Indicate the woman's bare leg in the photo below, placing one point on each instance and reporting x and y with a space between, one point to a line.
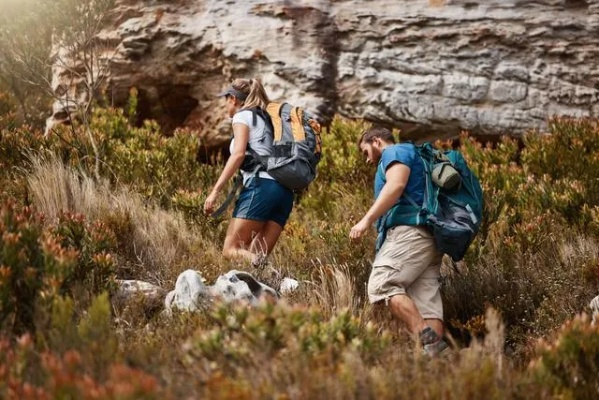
239 240
265 240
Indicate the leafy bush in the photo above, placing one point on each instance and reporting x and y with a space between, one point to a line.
154 165
568 157
34 266
568 365
7 112
240 332
15 146
534 211
93 243
26 373
40 263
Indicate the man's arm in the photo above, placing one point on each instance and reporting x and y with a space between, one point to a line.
397 178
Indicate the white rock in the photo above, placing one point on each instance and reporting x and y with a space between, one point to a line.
190 292
288 285
507 91
229 288
129 288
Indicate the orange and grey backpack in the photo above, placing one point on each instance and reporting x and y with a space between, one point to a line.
296 145
292 157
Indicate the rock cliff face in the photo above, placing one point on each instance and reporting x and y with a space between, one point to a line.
430 67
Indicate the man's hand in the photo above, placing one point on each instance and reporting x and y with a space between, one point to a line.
210 203
360 229
397 177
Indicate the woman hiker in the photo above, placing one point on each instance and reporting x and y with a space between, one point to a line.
264 205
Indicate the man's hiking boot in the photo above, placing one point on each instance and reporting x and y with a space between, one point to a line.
432 344
436 349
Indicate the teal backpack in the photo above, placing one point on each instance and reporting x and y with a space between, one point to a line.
453 202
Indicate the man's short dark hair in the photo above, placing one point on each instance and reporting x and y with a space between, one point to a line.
381 133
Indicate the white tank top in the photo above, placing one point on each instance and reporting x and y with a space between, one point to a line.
258 140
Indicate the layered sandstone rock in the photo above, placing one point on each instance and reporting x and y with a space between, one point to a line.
430 67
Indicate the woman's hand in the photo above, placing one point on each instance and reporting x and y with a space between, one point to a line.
210 203
241 133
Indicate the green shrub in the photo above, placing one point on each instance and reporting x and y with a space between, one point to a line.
155 165
534 209
568 365
39 263
15 146
7 112
34 266
94 242
569 156
29 375
241 333
109 146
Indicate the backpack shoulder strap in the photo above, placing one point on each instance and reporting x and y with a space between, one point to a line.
297 124
274 112
315 126
257 111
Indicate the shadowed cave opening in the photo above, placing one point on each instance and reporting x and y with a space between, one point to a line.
169 105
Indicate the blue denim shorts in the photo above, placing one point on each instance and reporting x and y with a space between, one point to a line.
263 199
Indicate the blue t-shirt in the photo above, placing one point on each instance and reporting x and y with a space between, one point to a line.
404 153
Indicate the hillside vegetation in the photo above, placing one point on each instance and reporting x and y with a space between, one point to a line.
106 199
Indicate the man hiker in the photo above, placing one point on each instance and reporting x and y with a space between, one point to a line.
406 270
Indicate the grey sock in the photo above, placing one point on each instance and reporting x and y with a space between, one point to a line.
428 336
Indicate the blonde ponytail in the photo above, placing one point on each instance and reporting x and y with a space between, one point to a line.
256 95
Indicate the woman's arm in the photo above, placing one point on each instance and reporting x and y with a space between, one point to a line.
241 133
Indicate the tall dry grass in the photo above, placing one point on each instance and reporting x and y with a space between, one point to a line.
334 290
156 238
